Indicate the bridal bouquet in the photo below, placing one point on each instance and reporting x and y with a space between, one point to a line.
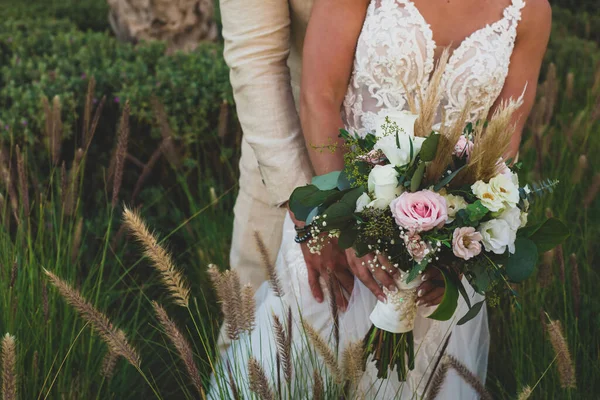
423 196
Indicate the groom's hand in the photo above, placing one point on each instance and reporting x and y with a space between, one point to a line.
330 264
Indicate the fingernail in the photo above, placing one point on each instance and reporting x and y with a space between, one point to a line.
382 298
424 277
392 288
419 303
420 293
319 299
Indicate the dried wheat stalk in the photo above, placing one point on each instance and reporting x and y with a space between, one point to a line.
324 350
469 377
353 361
283 348
109 364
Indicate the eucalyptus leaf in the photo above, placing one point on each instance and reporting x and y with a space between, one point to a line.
344 182
552 233
472 313
305 198
447 307
520 266
326 182
429 147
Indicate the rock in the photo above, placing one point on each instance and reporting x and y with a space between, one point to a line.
182 24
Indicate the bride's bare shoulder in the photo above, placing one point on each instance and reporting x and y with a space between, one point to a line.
536 15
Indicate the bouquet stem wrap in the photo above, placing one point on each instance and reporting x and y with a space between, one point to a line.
390 339
398 314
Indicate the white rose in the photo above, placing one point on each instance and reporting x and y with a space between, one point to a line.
513 217
505 188
388 143
380 204
497 236
383 183
454 204
488 198
362 202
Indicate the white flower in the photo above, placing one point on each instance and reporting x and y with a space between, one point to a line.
454 204
388 143
513 217
488 198
383 183
497 236
506 189
501 192
362 202
380 204
524 216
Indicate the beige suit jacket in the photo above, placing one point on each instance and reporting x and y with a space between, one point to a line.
263 48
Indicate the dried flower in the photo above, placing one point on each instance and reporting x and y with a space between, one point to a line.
259 383
266 258
9 368
566 369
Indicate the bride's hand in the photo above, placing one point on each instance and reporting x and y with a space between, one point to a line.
431 291
361 269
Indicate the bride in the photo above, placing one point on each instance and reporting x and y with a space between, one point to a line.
366 58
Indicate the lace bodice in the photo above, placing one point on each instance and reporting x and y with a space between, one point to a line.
395 57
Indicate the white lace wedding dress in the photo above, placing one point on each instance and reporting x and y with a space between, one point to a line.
395 53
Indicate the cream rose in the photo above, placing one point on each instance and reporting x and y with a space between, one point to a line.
453 205
501 192
362 202
506 188
383 183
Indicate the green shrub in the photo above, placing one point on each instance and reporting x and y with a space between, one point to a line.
53 58
577 5
585 25
85 14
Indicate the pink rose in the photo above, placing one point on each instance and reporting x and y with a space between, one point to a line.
416 247
420 211
466 242
463 147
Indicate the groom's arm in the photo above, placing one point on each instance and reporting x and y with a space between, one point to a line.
257 45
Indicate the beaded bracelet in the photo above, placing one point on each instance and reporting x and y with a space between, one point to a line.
303 234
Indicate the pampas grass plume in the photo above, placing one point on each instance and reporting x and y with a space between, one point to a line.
324 350
266 259
525 393
566 369
171 276
113 337
9 368
259 383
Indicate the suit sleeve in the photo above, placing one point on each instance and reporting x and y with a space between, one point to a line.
257 45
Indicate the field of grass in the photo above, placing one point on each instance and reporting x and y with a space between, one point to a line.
61 210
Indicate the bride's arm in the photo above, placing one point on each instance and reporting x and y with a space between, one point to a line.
532 39
328 56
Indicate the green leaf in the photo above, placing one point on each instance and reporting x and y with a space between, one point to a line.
429 147
472 313
520 266
311 216
447 307
340 214
476 211
552 233
447 179
343 182
416 269
326 182
417 177
305 198
463 291
348 237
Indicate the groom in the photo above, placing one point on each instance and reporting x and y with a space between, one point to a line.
263 48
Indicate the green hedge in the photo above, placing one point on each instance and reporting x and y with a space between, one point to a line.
85 14
585 25
50 58
577 5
